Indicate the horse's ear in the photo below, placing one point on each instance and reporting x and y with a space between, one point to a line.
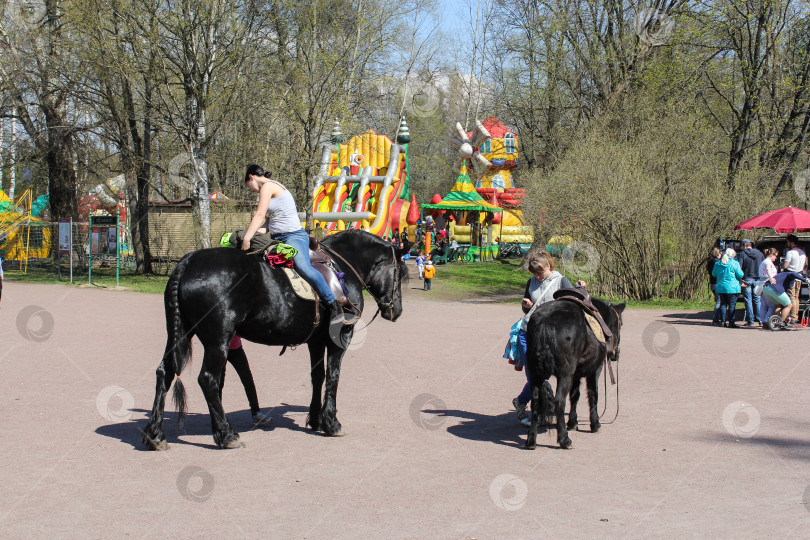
620 307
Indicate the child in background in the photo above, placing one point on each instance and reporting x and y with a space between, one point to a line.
429 273
420 264
239 361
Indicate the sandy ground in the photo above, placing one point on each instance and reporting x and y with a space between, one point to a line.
712 438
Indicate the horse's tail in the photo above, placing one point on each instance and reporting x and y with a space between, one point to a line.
178 345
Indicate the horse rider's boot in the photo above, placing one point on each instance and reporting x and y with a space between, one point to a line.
336 324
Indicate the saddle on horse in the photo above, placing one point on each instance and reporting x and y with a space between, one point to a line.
261 244
582 298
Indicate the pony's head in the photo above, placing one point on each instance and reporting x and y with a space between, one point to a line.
614 322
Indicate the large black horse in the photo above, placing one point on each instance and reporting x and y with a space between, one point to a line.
218 292
560 343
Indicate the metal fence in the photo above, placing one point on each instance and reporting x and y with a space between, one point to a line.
172 234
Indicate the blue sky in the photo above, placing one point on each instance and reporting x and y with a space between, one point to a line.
454 14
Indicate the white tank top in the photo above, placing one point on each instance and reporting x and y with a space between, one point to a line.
282 215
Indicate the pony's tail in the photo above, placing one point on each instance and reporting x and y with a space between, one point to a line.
546 351
178 346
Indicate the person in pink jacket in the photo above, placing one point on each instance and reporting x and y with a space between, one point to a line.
239 361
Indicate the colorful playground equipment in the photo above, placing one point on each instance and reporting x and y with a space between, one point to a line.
23 235
462 201
490 151
483 208
363 183
105 198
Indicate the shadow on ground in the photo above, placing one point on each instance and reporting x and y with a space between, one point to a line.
199 424
497 429
701 318
787 448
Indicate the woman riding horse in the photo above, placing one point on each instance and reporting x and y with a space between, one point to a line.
277 214
217 293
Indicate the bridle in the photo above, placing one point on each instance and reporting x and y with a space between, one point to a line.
393 264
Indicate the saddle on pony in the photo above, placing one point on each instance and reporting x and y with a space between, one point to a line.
582 298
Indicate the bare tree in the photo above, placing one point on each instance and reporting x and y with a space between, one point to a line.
205 45
39 69
123 57
325 53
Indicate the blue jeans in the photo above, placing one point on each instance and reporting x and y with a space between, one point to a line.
766 309
716 318
300 241
526 395
728 303
751 301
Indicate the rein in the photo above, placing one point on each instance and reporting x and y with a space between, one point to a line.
365 285
613 380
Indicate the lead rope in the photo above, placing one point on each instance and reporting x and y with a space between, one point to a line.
613 382
604 410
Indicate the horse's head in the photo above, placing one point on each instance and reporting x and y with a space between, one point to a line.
378 264
613 317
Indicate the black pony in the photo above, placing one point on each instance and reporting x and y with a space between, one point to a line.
218 292
560 343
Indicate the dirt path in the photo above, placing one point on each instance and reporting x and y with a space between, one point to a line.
713 438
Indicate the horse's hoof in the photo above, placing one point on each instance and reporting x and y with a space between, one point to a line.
152 444
261 419
314 426
565 445
338 433
595 429
162 445
528 446
235 443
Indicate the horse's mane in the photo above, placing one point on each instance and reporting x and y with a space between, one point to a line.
357 238
357 235
604 308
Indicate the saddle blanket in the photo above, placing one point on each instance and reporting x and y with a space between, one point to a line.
597 329
300 286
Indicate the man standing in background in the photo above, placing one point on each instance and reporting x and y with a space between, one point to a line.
750 258
795 261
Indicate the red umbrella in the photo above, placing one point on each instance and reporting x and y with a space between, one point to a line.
784 220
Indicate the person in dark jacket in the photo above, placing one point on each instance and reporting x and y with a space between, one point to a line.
750 258
716 254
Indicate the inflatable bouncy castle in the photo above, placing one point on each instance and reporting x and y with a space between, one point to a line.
489 153
363 184
496 186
